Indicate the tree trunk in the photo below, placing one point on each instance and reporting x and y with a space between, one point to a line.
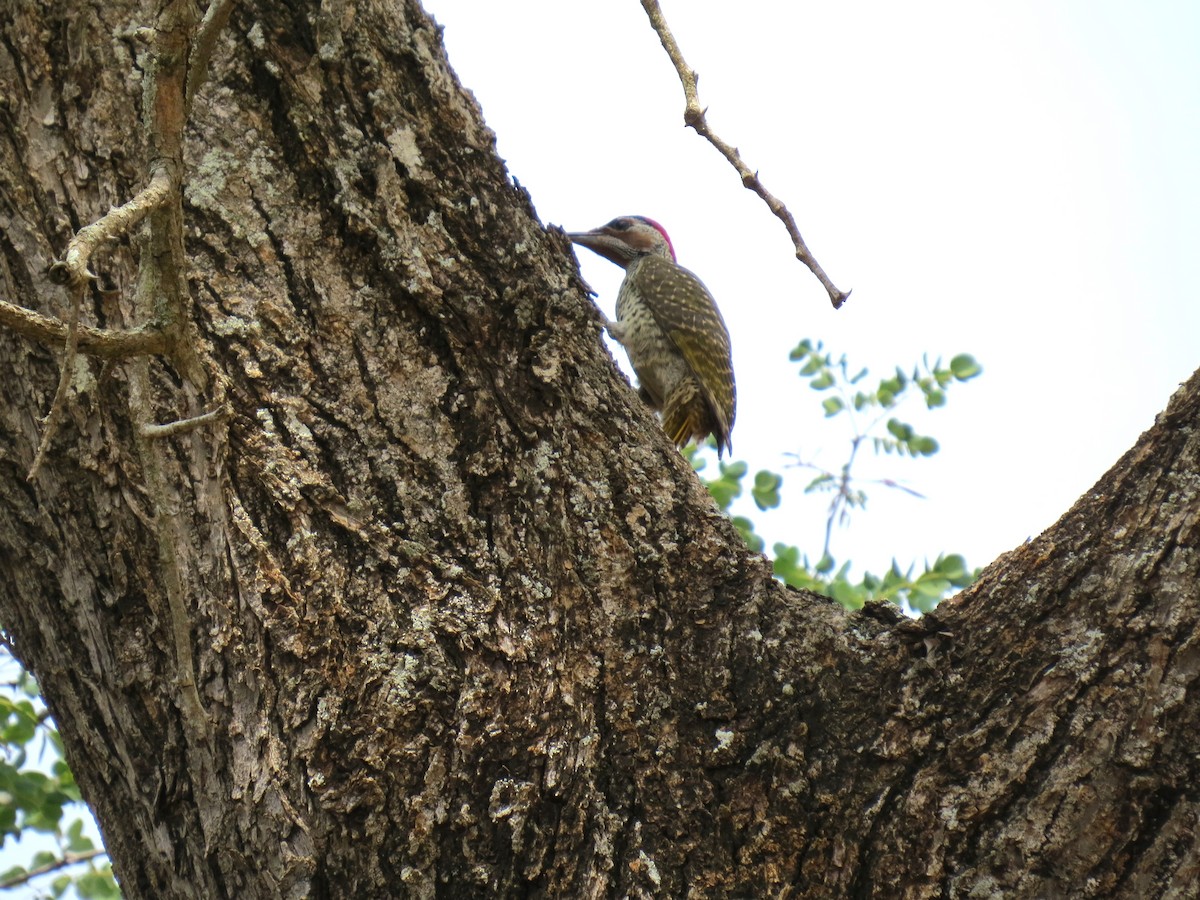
429 605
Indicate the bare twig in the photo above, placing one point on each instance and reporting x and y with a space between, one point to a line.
888 482
168 532
693 116
183 425
92 341
68 859
843 499
59 403
174 77
72 269
213 23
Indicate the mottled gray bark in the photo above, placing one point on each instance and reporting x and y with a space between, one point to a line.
457 619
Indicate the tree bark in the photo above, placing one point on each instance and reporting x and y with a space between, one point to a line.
456 618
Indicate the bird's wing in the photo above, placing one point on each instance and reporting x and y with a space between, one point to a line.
687 313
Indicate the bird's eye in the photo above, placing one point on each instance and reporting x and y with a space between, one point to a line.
621 224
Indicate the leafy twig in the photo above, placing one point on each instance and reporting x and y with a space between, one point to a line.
68 859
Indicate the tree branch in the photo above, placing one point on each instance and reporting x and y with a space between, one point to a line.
180 426
168 533
694 117
162 295
58 404
72 269
182 75
68 859
99 342
215 19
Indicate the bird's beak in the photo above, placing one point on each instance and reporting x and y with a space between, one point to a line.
589 239
599 241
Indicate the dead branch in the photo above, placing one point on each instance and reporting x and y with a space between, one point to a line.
72 269
211 26
99 342
694 117
168 534
180 426
59 403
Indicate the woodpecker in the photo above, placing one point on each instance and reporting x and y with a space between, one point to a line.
670 327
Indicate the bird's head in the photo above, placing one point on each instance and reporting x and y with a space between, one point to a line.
626 238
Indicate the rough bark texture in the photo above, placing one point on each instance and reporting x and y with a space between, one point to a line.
462 622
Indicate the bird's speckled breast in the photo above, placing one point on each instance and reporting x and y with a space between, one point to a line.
655 359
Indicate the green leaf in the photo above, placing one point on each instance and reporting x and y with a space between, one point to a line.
8 818
832 406
822 482
849 595
28 685
801 350
822 382
734 469
923 446
746 529
728 485
953 568
927 592
724 492
965 367
77 841
97 885
766 489
786 565
20 725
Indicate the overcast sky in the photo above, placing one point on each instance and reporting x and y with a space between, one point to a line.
1016 180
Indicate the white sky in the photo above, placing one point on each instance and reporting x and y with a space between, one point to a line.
1020 181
